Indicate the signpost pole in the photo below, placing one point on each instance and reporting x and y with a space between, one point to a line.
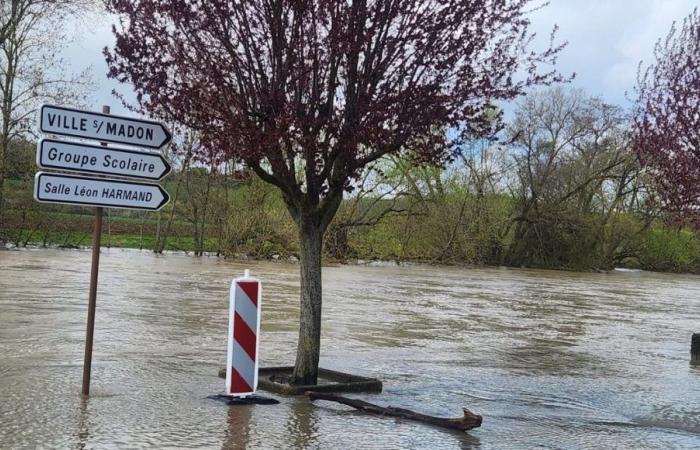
92 300
100 192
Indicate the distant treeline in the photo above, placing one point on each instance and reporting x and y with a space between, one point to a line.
560 189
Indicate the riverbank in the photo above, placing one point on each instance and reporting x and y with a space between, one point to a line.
269 234
456 229
327 262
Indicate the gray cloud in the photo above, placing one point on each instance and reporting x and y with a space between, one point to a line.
607 39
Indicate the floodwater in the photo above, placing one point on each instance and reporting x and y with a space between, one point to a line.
550 359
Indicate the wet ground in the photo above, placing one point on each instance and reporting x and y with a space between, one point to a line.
550 359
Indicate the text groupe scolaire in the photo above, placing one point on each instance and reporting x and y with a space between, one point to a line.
106 161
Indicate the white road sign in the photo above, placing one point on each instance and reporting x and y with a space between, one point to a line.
84 191
102 127
53 154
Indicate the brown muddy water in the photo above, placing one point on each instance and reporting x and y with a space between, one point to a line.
550 359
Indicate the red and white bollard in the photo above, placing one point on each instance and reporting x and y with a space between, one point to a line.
243 333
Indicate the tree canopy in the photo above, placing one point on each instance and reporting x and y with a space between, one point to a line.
307 93
667 117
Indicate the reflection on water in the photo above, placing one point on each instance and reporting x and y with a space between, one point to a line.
550 359
238 431
301 425
83 434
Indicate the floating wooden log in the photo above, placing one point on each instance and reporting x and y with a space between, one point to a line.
467 422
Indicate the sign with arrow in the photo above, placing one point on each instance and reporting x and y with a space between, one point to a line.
103 127
99 192
76 190
54 154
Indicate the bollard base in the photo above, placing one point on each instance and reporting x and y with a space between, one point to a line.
328 381
695 349
252 399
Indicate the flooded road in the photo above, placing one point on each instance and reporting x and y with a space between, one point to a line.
550 359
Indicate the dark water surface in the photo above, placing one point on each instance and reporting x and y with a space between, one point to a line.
550 359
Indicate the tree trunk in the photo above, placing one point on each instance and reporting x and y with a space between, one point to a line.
2 187
162 235
4 143
309 346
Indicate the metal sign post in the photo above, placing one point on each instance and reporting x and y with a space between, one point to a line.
92 298
92 293
50 187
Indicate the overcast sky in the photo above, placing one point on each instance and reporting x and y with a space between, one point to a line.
607 39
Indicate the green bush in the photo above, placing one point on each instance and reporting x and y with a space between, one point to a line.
670 251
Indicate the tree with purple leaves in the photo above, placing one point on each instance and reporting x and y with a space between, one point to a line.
308 93
666 128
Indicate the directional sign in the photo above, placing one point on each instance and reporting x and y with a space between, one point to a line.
53 154
75 190
102 127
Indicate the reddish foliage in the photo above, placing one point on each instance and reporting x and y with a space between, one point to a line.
324 87
667 118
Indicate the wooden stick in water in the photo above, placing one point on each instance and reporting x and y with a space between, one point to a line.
467 422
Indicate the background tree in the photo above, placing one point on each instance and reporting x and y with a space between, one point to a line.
576 174
179 155
32 33
307 93
377 195
667 118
